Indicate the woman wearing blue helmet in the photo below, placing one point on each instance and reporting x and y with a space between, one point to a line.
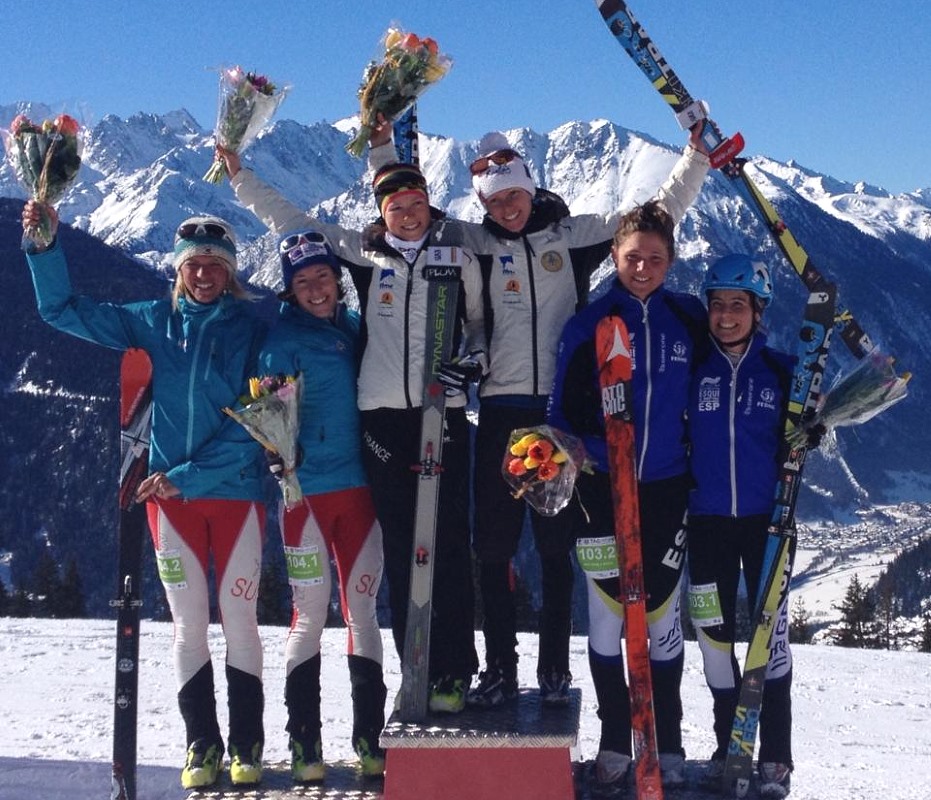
736 415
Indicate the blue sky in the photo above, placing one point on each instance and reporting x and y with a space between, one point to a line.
838 87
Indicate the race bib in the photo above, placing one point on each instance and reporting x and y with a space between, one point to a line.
305 566
704 605
171 569
597 556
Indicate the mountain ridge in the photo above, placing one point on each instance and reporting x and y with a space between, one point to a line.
142 176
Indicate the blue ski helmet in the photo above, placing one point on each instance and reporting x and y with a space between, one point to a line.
737 271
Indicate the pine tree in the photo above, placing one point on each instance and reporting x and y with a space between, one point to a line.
70 602
47 585
21 604
925 645
858 617
889 608
4 600
799 627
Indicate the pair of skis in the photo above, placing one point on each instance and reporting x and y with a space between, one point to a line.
631 35
615 370
804 393
135 424
442 274
822 317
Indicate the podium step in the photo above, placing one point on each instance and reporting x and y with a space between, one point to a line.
521 750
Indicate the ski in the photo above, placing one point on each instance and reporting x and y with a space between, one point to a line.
135 422
631 35
805 390
615 369
404 131
442 275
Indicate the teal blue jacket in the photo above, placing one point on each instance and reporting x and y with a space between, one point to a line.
202 358
327 353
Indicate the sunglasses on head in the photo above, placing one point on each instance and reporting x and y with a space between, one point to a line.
499 157
295 239
209 230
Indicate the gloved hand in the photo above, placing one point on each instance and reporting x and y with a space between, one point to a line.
276 464
815 435
457 374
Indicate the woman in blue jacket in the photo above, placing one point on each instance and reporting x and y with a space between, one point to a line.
736 418
318 336
664 327
204 488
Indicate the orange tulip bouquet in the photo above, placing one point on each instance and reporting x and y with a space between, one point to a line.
409 65
541 465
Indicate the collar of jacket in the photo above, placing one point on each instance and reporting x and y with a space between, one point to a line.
227 304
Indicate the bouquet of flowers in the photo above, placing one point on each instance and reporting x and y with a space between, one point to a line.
271 414
541 464
45 159
410 64
247 102
870 388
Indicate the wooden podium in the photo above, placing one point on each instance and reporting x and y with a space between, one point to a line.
522 751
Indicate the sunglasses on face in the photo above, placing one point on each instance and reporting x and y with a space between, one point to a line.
209 230
296 239
499 157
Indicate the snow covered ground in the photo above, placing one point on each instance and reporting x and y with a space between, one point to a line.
862 718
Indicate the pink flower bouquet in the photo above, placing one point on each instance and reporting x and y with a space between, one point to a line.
45 159
247 102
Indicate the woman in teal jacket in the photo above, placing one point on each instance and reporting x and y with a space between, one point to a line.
318 336
204 489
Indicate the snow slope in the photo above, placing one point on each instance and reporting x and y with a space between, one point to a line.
862 718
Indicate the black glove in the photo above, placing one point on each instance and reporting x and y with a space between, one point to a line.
276 462
456 375
815 434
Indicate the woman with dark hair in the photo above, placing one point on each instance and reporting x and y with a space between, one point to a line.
318 336
665 328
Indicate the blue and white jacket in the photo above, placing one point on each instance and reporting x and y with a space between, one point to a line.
327 354
663 330
202 359
735 421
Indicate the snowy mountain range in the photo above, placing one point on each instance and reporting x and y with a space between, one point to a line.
141 176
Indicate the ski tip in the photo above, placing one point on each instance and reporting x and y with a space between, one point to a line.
727 151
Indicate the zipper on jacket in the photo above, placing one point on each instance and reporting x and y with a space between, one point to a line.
198 343
534 338
407 331
732 426
648 358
